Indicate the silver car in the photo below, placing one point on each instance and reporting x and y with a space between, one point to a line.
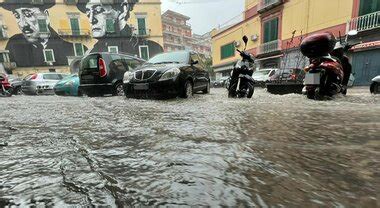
41 83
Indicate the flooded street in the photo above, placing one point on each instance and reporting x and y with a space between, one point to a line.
280 151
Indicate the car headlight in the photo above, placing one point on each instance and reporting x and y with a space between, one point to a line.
170 74
128 76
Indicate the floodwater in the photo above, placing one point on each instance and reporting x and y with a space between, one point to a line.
270 151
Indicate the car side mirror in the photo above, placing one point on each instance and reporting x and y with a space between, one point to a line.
194 62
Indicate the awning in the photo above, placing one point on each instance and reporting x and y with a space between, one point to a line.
225 67
367 45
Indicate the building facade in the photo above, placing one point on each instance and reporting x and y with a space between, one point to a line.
176 30
178 35
276 28
49 35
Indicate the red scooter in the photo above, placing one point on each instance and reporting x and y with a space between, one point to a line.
6 87
324 75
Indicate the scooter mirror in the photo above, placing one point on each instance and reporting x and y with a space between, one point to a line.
245 39
352 32
2 79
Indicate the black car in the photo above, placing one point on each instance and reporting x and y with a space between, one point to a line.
168 75
375 85
102 73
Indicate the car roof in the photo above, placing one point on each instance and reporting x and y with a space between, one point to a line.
123 54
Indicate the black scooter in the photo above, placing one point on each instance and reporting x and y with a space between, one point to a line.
241 81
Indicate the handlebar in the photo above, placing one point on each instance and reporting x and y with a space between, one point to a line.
245 56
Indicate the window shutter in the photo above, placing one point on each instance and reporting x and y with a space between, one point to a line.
110 24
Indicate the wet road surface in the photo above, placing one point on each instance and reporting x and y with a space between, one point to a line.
280 151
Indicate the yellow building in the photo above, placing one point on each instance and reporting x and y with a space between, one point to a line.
48 35
276 27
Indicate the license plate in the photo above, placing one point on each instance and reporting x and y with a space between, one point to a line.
312 79
141 86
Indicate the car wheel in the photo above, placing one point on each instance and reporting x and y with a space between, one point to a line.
207 90
119 91
188 90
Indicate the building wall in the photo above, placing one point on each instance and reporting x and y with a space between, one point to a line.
125 39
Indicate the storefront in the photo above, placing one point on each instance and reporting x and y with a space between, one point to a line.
366 62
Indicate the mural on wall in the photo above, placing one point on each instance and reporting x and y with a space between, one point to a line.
27 48
121 34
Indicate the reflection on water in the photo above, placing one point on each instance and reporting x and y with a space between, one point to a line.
209 150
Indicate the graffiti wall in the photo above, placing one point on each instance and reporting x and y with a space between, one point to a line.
54 33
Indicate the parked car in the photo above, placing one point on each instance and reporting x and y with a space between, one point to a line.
102 73
375 86
220 82
68 86
168 75
288 75
5 86
41 83
262 76
16 83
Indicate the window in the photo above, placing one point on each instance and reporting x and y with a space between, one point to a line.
132 63
227 50
368 6
144 52
271 30
42 25
110 25
52 76
117 63
78 49
75 29
49 55
113 49
2 59
141 24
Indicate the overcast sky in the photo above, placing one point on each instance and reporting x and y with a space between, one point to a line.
206 14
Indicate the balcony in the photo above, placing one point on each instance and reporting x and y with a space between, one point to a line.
141 32
74 33
270 47
365 22
266 5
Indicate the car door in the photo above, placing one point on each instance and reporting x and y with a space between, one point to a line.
196 65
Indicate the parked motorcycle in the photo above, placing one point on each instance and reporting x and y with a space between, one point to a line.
241 83
6 87
324 75
339 52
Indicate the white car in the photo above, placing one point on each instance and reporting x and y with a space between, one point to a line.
41 83
262 76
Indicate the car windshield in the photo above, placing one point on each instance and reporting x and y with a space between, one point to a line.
262 72
172 57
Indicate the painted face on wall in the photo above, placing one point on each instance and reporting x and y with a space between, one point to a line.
98 14
27 20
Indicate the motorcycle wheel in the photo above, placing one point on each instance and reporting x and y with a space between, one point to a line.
251 89
232 91
318 95
310 94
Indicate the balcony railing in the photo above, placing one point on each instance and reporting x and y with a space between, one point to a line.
365 22
266 5
270 47
74 33
142 32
